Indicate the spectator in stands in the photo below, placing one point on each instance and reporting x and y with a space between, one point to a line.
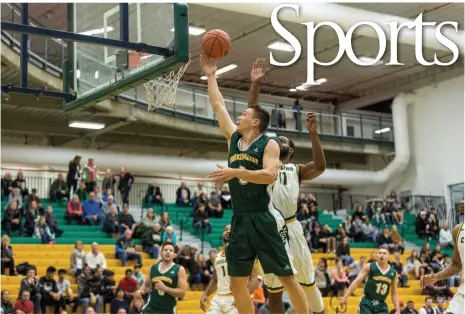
7 256
340 277
126 249
138 276
52 222
339 234
401 275
358 213
94 258
153 196
74 174
303 215
119 302
108 182
410 309
211 260
436 258
313 213
50 293
23 305
187 255
373 257
343 252
164 221
225 197
111 223
384 240
455 279
146 224
125 183
433 225
440 308
323 279
357 230
380 215
82 192
445 237
396 213
35 208
215 209
355 268
98 195
201 221
7 185
136 306
347 225
422 226
6 306
369 231
83 282
169 236
302 200
152 241
312 200
90 175
426 248
428 307
31 285
74 210
183 195
11 218
42 231
64 288
107 204
94 290
438 289
330 239
281 117
318 240
33 197
15 196
91 210
77 259
108 288
129 285
202 199
199 189
20 183
258 295
370 210
421 266
126 221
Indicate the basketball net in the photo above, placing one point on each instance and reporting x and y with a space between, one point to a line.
161 92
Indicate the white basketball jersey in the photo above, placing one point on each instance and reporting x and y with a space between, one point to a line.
221 268
286 190
460 247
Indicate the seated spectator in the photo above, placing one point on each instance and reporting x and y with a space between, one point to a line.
396 213
15 196
187 255
11 218
126 221
83 283
129 285
202 199
410 309
422 228
433 225
82 192
169 236
119 302
303 215
23 305
91 210
330 239
323 278
302 200
50 293
370 210
357 230
358 213
106 204
200 221
369 232
109 287
138 276
7 256
164 221
94 258
401 275
397 239
77 259
440 308
58 189
347 225
64 287
136 306
226 197
6 306
259 294
428 307
421 266
152 241
380 215
42 231
126 249
343 252
32 197
94 291
355 268
384 240
454 280
52 222
146 224
436 258
111 223
373 257
7 185
426 248
314 214
74 210
438 289
210 264
20 183
153 195
98 195
36 208
215 209
339 234
340 277
318 240
183 195
205 275
31 285
445 237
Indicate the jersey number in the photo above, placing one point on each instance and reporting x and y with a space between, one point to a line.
224 271
381 288
283 178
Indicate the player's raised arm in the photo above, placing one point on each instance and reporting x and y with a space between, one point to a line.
144 288
356 283
227 126
395 295
256 76
316 167
211 288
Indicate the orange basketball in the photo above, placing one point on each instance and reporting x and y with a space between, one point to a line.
216 44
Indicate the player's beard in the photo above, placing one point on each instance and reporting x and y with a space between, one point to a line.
284 152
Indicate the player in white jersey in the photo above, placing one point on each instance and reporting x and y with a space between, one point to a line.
284 198
457 305
223 301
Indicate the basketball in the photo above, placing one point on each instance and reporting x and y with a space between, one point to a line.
216 44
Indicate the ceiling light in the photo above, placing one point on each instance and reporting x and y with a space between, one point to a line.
271 134
78 73
292 90
383 130
97 31
369 59
96 75
194 30
225 69
86 125
279 45
304 86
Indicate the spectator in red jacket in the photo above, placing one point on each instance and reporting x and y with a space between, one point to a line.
129 285
74 210
23 305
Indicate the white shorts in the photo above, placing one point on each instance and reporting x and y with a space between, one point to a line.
222 304
302 260
457 305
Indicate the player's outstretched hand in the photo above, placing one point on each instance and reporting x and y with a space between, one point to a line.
137 295
203 302
223 174
258 70
343 302
427 280
311 122
207 66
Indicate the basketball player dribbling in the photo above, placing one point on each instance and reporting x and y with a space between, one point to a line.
258 229
223 301
457 305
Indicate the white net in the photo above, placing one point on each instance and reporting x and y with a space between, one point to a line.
161 92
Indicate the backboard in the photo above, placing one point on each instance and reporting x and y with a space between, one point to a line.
100 71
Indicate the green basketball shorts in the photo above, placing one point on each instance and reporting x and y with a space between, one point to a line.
262 235
370 306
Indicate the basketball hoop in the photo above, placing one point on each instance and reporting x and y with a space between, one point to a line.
161 92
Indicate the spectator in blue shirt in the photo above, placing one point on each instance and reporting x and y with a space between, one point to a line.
92 210
169 236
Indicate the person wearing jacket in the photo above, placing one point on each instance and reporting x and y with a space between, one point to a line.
50 293
74 210
74 175
152 241
90 175
77 259
126 249
59 189
111 223
125 183
11 218
31 284
7 256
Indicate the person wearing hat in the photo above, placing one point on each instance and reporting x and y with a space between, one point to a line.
50 293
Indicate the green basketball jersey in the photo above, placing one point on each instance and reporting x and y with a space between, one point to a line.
248 196
160 301
379 284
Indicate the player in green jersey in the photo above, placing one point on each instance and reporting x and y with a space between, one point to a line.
381 278
167 281
257 229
